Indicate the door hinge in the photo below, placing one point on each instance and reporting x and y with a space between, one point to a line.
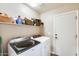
76 17
76 36
76 54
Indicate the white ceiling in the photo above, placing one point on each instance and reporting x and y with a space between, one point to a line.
47 6
52 6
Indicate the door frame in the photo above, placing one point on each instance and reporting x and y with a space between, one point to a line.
77 18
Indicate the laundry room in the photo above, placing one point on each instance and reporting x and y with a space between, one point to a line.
39 29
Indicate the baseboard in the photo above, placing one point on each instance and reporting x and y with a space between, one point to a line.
54 53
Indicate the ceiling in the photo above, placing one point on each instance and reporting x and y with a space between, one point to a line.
47 6
52 6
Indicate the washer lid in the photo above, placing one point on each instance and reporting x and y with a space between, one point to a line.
42 38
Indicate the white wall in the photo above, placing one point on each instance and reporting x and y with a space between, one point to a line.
15 9
47 18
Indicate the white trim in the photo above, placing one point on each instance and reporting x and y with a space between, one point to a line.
65 12
77 30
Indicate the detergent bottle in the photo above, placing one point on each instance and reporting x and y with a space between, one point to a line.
0 45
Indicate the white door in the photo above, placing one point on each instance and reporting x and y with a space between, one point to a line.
65 34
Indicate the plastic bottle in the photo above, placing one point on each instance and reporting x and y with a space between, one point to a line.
19 20
0 45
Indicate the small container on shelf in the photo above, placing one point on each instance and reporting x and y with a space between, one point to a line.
28 21
19 20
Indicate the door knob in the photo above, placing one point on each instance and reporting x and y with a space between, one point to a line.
56 36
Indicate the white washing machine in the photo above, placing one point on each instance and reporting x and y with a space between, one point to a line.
40 48
16 47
